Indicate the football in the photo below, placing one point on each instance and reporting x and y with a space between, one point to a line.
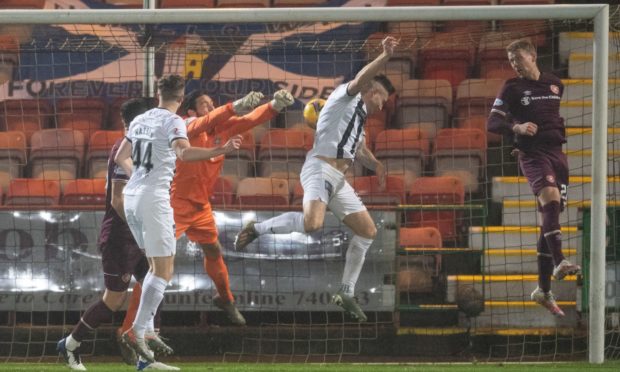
312 110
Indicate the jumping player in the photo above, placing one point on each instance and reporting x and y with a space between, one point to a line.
528 109
339 139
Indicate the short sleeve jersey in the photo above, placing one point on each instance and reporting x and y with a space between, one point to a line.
113 228
340 127
151 135
522 100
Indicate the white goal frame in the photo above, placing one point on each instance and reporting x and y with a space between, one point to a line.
599 13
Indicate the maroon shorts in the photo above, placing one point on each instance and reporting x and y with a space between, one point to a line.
121 259
545 167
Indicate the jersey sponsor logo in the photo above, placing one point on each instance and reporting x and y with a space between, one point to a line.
498 102
555 89
526 100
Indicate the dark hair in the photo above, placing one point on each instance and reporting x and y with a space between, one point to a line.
171 87
521 44
189 102
387 84
132 108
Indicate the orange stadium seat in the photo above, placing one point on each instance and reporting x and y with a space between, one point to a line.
223 193
12 157
295 3
428 101
83 114
22 4
238 164
448 56
85 192
56 154
27 191
367 188
187 4
436 190
476 96
534 29
403 152
283 151
492 55
25 115
99 146
263 191
480 122
243 3
374 125
421 237
298 194
461 153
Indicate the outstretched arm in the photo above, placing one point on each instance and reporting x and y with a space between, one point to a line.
209 122
369 71
185 152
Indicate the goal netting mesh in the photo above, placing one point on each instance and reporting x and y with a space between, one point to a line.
451 270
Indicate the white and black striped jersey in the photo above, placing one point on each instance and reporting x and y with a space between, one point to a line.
340 128
151 135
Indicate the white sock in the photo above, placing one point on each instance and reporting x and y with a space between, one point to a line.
356 253
71 343
285 223
152 293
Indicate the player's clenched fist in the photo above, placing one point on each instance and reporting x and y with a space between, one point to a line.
525 129
282 99
247 103
389 44
232 144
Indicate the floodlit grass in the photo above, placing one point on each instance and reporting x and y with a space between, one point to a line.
282 367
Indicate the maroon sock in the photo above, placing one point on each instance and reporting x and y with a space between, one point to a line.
157 317
95 315
545 264
551 230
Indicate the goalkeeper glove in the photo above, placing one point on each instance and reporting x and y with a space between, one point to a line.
282 99
247 103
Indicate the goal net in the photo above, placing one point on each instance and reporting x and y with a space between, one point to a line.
454 262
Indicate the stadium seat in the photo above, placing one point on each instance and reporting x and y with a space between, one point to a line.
403 152
187 4
243 3
422 30
85 192
367 188
535 30
412 2
83 114
298 194
56 154
424 101
448 56
375 124
461 153
263 191
480 122
239 164
25 115
283 151
436 190
223 193
99 146
402 62
296 3
12 157
22 4
27 191
421 237
493 60
473 28
475 97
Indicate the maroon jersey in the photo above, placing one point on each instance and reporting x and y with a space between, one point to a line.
521 100
113 228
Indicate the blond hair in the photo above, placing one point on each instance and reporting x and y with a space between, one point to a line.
521 44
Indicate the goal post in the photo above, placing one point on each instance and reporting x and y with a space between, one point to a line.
598 13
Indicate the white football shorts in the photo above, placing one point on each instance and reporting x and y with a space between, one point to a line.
151 221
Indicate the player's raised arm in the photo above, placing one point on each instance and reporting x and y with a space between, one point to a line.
185 152
369 71
207 123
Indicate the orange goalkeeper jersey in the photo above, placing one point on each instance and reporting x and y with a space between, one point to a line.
194 181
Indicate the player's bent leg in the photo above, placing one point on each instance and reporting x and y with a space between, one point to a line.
547 300
549 198
365 231
218 272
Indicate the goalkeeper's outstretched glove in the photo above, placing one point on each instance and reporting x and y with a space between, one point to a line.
247 103
281 99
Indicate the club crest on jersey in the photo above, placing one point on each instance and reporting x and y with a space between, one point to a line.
550 178
526 100
555 89
126 277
